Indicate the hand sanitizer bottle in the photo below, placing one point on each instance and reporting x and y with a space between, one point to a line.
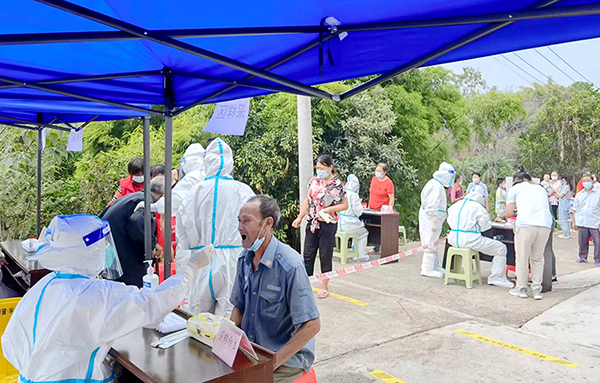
150 280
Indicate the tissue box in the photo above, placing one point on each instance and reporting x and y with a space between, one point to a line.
205 326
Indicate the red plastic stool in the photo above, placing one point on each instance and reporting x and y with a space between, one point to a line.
513 269
161 271
307 377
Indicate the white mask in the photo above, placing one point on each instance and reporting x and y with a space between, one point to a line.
554 178
138 179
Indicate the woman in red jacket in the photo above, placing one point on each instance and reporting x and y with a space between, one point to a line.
134 183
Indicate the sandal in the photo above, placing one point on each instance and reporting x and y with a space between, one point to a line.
322 294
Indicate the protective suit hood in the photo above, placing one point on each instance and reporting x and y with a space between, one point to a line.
80 244
445 174
352 183
476 196
193 158
218 159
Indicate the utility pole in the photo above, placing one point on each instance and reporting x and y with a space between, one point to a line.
305 153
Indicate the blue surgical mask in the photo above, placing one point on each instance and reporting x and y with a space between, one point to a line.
322 174
476 181
587 185
258 241
379 175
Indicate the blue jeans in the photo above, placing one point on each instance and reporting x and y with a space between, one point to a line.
563 216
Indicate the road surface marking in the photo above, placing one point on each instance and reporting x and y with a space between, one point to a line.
518 349
347 299
385 377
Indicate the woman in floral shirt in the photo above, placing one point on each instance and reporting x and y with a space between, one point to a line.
326 197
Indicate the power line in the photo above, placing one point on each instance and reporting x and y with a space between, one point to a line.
512 70
554 65
534 68
529 74
563 60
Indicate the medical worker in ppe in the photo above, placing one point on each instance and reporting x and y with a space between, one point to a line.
349 219
431 217
468 219
208 216
192 165
63 328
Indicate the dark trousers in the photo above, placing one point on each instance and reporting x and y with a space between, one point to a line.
555 211
322 240
583 237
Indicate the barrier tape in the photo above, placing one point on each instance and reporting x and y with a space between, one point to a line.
371 264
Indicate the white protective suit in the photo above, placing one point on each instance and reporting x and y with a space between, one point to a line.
349 219
467 219
192 164
63 328
209 215
432 215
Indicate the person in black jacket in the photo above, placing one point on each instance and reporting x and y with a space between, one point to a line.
126 221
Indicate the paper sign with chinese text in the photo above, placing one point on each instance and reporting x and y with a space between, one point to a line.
227 342
75 143
229 118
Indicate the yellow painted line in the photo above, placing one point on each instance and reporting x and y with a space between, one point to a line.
347 299
518 349
385 377
583 263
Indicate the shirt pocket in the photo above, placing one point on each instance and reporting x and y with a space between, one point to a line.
270 304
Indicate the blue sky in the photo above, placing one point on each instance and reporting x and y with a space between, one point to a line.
584 56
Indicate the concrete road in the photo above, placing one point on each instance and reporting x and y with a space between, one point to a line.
390 324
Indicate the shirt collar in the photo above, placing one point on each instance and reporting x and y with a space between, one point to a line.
269 255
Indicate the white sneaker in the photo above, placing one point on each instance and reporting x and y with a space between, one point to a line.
537 295
521 293
564 236
505 283
432 274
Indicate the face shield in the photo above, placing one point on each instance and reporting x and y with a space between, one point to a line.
80 244
445 174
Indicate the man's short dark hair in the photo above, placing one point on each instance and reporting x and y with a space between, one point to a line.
136 166
267 207
477 174
499 181
157 170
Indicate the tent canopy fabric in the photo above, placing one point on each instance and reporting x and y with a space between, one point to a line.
187 52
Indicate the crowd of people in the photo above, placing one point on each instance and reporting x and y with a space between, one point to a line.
540 206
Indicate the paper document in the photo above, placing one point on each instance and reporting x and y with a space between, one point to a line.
75 143
229 118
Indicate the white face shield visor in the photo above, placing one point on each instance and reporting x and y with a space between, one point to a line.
80 244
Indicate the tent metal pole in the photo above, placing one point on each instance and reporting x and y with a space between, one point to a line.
80 96
183 46
38 220
111 76
167 217
71 37
168 195
243 83
277 63
473 36
147 201
35 123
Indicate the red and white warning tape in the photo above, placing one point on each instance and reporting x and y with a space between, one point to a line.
375 263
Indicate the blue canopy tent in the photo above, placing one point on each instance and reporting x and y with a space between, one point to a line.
184 53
